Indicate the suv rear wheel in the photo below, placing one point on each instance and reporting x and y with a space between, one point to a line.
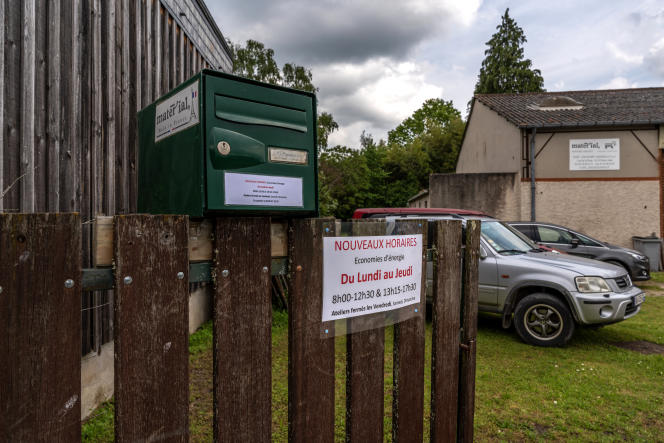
543 320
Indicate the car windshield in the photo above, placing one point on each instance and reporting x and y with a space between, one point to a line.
504 240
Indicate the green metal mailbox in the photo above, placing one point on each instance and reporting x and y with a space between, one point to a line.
221 144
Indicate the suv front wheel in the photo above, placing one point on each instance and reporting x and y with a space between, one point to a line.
543 320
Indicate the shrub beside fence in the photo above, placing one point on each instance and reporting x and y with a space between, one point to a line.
41 282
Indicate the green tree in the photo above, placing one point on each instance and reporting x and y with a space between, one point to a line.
257 62
434 112
345 175
442 145
326 126
298 77
504 68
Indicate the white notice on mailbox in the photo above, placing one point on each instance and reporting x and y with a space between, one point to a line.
262 190
177 112
364 275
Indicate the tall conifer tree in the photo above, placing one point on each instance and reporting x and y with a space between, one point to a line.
504 68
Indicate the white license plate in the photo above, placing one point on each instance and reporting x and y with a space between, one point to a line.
638 299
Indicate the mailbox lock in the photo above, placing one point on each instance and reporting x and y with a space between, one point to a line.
224 148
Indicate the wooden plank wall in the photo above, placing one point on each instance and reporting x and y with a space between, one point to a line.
73 74
40 367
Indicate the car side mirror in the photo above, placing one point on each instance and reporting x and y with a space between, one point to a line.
575 242
483 254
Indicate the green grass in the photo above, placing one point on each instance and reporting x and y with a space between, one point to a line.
590 390
657 277
99 426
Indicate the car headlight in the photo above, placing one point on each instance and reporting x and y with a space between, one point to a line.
638 256
592 284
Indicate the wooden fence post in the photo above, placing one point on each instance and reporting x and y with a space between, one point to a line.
40 314
242 330
310 358
408 395
469 325
445 335
151 328
365 368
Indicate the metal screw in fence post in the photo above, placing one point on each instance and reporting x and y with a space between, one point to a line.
0 289
224 272
299 268
69 283
128 280
180 275
264 269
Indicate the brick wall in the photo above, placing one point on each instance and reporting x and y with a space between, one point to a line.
611 211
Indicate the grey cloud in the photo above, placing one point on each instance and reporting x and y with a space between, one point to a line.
353 111
332 31
634 18
334 83
654 61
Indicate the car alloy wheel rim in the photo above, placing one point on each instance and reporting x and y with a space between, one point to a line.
543 322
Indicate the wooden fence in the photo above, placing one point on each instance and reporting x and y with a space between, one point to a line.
40 285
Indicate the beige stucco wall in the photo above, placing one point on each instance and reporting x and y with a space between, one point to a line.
491 144
611 211
635 159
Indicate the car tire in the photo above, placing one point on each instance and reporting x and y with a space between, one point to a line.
543 320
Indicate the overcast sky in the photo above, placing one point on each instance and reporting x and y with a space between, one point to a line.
375 62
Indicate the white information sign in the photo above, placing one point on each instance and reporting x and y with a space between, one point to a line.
594 154
262 190
364 275
177 112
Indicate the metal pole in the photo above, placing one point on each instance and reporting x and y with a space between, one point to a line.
532 175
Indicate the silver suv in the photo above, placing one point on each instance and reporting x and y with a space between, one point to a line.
545 294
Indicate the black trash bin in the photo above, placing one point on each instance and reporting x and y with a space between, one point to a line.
651 247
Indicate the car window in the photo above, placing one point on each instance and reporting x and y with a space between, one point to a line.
527 230
587 241
502 239
553 235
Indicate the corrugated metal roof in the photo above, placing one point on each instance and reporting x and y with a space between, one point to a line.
614 107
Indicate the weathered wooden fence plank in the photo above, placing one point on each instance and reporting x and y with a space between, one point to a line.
469 326
54 102
3 31
40 363
242 330
110 135
40 159
445 336
408 391
27 166
310 358
364 368
151 328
